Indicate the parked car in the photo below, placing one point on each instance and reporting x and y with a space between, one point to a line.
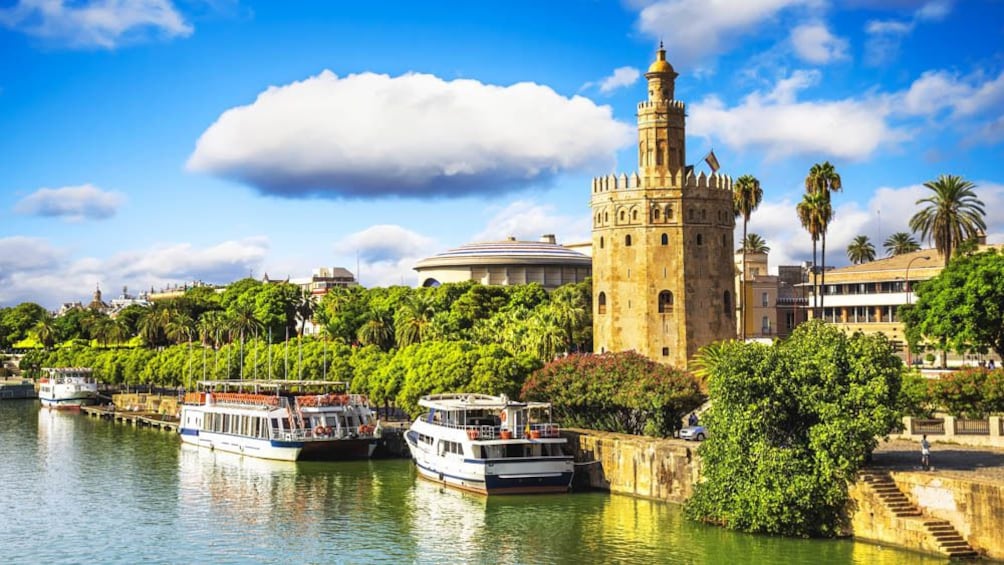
691 433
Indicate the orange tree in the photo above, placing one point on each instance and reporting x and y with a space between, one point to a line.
616 392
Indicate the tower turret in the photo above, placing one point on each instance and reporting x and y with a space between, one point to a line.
661 127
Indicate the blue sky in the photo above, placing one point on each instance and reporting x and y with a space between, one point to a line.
154 142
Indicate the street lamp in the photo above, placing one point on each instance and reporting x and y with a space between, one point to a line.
909 354
907 283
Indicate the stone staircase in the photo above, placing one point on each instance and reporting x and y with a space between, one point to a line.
946 537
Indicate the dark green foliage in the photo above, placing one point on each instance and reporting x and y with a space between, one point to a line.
789 425
16 322
969 393
618 392
963 307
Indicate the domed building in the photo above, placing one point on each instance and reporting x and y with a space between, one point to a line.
507 262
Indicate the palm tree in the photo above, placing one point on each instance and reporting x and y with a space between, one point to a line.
304 309
814 212
45 331
153 325
753 243
570 307
378 329
181 327
861 250
953 214
900 243
414 318
746 197
823 179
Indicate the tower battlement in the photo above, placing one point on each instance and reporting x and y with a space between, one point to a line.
690 181
668 104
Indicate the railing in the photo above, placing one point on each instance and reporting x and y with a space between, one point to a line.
972 427
536 431
243 399
289 435
934 426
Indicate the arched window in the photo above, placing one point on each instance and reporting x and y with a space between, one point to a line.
669 212
606 216
704 214
665 301
700 239
728 304
655 214
601 242
627 240
623 215
665 239
634 215
601 303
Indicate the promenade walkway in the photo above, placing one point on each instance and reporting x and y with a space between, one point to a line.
982 463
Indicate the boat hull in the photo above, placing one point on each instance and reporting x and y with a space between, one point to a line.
338 449
69 403
253 447
488 484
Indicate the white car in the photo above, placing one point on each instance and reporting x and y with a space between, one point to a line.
691 433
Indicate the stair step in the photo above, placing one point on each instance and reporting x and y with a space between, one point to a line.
906 514
954 544
963 554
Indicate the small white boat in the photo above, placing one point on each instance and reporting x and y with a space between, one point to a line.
67 387
281 420
490 445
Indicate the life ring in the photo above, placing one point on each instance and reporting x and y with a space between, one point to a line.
319 430
328 430
502 416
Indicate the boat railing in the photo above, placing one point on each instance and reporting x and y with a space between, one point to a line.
312 400
243 399
533 431
289 435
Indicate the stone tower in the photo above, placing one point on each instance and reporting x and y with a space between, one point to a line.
663 271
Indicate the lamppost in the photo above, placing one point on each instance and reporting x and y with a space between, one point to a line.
906 283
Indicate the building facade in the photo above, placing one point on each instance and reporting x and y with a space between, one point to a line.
774 303
663 271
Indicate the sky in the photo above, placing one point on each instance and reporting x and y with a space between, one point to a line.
148 143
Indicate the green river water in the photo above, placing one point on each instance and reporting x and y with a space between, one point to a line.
75 489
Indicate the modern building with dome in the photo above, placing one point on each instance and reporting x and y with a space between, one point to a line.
507 262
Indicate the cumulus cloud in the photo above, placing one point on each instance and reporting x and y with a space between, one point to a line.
621 77
385 242
95 23
528 220
71 202
32 269
814 43
696 30
886 36
888 211
971 103
781 125
372 135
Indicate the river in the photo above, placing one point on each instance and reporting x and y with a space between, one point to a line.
75 489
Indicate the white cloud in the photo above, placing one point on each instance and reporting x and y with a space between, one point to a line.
814 43
622 77
696 30
385 243
973 104
527 220
73 203
32 270
885 36
779 124
371 135
95 23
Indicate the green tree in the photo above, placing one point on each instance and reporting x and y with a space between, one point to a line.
789 426
861 250
823 179
953 214
963 307
304 308
753 243
746 197
45 331
900 243
413 320
378 329
16 322
814 213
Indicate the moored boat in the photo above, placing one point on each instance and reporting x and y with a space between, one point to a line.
282 420
67 387
489 444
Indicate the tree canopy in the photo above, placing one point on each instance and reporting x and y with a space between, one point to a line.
789 425
963 307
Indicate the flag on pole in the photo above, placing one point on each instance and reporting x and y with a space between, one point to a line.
712 161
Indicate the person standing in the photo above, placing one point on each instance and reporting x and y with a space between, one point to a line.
925 453
692 420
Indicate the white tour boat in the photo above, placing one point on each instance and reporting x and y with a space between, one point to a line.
267 419
67 387
489 444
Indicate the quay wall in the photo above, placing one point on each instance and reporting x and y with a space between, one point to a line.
668 469
975 508
141 402
661 469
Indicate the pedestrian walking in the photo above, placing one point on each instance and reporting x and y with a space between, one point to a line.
925 453
692 420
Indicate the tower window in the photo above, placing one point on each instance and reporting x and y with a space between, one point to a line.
655 214
700 239
627 240
728 304
601 303
669 212
665 352
606 216
601 242
665 239
665 301
623 215
634 215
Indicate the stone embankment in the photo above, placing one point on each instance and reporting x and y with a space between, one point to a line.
956 509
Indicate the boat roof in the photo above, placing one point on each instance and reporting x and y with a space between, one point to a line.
274 384
474 401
